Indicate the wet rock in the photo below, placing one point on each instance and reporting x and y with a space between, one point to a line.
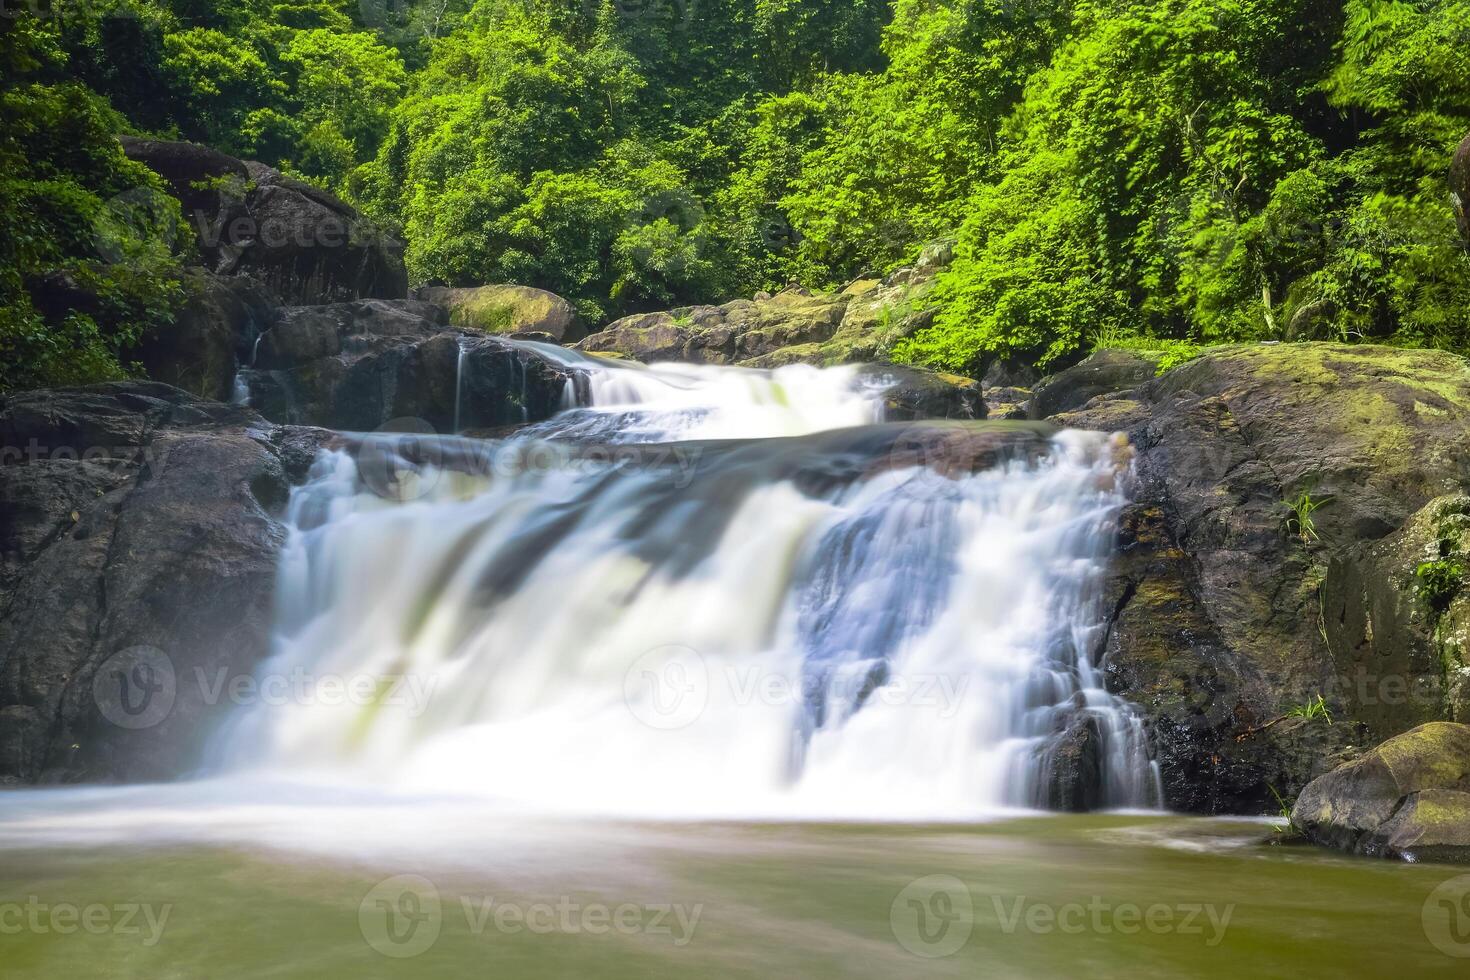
334 376
916 394
1105 373
200 351
137 562
1073 769
1408 798
299 334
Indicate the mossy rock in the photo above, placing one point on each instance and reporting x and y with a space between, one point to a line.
1408 798
507 309
1396 613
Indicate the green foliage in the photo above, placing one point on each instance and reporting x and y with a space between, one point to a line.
1439 581
1311 710
88 259
1158 174
1299 521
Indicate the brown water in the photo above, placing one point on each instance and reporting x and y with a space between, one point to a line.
1043 897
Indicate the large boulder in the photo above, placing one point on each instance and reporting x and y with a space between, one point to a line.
1221 624
249 219
137 563
729 334
507 309
912 394
1106 372
202 348
1460 188
357 366
1408 798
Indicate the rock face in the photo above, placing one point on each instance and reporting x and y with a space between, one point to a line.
1408 798
249 219
137 562
210 335
1105 373
1460 188
1397 617
1221 624
508 310
356 366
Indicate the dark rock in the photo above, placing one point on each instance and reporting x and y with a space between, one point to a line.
299 334
917 394
508 310
446 381
1105 373
139 548
299 240
1400 649
194 173
1408 798
1072 765
1010 374
200 350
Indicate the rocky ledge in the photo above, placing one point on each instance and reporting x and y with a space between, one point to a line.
1289 588
137 563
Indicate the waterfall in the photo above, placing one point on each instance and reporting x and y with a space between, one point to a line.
458 380
708 591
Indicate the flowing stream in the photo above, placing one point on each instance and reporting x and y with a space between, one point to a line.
709 592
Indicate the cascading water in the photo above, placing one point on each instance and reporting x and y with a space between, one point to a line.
709 591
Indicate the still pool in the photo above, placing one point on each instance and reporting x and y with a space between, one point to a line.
362 889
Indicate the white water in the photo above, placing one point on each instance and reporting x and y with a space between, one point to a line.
803 623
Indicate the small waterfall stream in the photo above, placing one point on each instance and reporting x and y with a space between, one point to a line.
708 591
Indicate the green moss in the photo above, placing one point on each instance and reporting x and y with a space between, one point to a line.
488 316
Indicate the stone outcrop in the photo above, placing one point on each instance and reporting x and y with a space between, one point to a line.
1221 623
249 219
1106 372
734 333
356 366
1408 798
210 336
1397 617
137 562
508 309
